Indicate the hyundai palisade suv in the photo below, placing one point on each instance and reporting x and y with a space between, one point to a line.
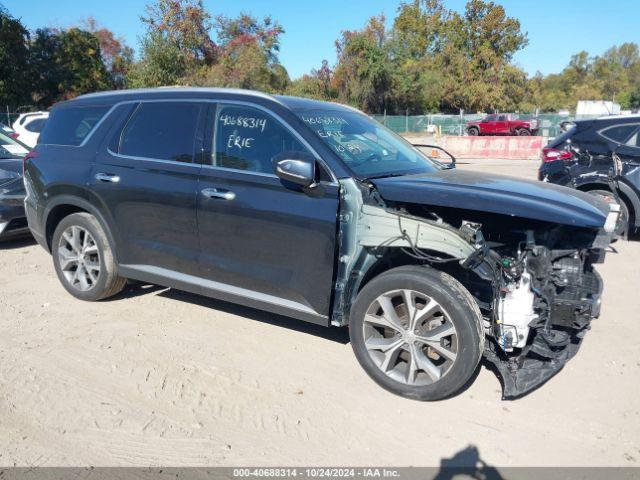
315 211
602 157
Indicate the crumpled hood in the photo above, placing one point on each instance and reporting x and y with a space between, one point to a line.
498 194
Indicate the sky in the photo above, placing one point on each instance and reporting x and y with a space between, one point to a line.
556 28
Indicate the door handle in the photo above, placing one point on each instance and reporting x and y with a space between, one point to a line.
106 177
218 193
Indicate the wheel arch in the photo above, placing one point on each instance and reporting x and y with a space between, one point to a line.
626 194
62 206
374 265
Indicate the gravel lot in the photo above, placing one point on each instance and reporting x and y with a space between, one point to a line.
159 377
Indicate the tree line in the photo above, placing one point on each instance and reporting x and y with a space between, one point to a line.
430 59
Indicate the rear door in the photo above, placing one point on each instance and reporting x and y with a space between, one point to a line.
263 241
146 177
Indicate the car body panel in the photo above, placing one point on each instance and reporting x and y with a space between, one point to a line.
12 215
12 191
497 194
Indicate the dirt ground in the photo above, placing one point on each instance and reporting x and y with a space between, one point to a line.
157 377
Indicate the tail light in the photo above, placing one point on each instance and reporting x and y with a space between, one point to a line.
15 135
555 154
31 154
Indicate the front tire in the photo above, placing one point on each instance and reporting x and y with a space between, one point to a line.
417 332
523 132
473 132
83 258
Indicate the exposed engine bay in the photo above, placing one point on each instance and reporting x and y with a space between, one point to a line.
534 281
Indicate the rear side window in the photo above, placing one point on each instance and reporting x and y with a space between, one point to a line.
618 133
70 125
162 131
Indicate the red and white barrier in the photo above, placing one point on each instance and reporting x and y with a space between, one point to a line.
517 148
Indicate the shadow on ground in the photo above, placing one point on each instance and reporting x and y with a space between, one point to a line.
135 289
467 464
18 242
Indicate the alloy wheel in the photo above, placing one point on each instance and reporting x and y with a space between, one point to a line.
410 337
79 258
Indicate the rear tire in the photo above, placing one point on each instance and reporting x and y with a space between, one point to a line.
523 132
622 226
83 258
426 351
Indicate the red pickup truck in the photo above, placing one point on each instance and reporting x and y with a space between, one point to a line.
503 124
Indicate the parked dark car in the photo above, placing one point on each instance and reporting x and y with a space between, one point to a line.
602 157
13 222
315 211
503 124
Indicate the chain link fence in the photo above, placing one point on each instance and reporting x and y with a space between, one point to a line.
456 124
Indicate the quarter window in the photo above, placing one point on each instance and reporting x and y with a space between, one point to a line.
634 141
162 131
248 138
618 133
70 125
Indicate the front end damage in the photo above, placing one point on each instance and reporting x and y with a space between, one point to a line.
534 281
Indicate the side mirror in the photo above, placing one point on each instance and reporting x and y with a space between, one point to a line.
437 153
296 168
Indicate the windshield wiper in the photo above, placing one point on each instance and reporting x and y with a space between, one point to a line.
387 175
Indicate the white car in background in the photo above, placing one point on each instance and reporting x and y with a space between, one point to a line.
29 125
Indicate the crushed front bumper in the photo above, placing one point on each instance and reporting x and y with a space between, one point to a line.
546 354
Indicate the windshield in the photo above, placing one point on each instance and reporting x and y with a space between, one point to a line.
365 146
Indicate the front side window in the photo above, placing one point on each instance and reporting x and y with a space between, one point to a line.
162 131
247 138
618 133
490 118
367 147
70 125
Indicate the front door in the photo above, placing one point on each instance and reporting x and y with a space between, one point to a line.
261 240
147 180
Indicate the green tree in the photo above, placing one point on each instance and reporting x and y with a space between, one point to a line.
363 74
318 84
15 71
176 43
116 54
247 56
68 63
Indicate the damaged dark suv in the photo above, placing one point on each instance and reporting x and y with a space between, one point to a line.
315 211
